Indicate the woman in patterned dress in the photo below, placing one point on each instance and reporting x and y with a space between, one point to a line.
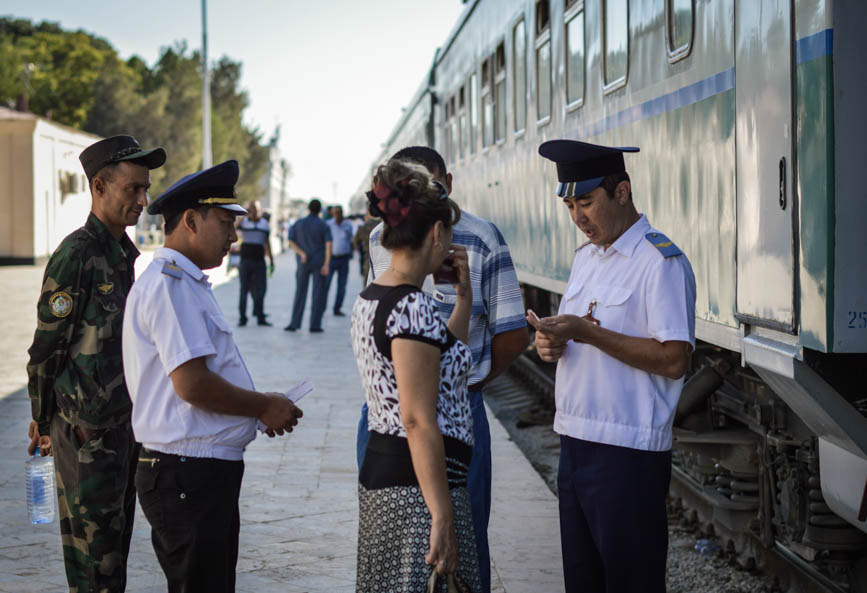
414 510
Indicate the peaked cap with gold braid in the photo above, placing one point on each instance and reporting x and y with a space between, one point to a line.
211 187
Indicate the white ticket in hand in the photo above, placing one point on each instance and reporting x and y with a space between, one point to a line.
300 390
294 395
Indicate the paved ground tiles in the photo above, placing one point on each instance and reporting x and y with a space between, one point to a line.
298 503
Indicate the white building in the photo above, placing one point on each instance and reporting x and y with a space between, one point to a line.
274 184
44 194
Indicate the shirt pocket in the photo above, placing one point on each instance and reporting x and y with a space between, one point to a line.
569 305
447 297
612 307
220 324
108 316
220 333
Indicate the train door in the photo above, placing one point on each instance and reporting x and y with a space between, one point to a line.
763 140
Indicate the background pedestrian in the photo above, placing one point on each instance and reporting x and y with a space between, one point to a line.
341 253
310 239
255 245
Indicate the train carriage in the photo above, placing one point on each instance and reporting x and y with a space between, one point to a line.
749 115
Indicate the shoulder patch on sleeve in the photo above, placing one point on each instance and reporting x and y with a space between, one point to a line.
60 304
170 269
663 244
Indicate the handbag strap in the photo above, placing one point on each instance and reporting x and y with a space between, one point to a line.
454 583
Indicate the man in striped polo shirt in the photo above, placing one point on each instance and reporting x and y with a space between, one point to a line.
255 245
497 334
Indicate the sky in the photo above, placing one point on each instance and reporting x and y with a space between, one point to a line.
334 74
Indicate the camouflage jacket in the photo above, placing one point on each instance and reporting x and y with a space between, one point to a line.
75 367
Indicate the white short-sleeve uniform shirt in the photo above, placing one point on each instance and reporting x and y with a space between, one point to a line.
171 317
638 292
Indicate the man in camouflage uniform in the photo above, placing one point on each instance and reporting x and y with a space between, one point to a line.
81 407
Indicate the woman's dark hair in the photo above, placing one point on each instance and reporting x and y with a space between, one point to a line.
423 200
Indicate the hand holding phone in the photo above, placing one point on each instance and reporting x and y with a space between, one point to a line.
447 272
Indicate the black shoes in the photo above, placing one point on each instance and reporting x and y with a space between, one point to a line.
289 328
339 314
316 330
261 321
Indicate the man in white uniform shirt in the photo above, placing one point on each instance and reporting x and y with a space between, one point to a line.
622 342
194 404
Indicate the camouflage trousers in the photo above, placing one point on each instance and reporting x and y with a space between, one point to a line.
96 505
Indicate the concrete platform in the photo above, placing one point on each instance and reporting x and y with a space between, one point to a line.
298 503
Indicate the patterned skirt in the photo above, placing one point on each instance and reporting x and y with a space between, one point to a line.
394 537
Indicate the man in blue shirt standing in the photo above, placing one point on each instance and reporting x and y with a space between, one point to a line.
310 239
341 253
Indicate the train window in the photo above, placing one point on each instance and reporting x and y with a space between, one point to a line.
616 40
519 39
679 24
543 62
543 18
474 111
487 105
462 121
575 60
569 3
447 132
500 93
543 81
453 131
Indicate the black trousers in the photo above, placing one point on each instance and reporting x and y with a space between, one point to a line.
192 506
613 517
253 275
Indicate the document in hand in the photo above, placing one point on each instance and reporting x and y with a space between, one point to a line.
300 390
294 394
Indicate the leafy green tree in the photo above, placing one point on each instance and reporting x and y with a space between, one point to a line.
66 67
79 80
11 71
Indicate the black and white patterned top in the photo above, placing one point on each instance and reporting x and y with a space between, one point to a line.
383 313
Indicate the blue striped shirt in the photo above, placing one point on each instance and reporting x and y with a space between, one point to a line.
497 303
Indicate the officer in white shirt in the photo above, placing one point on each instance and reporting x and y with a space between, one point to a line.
622 341
194 404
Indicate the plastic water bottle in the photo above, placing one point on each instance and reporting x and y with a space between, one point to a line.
706 547
40 488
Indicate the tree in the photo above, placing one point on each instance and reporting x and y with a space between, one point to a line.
79 80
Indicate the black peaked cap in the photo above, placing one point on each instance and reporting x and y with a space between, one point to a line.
582 166
211 187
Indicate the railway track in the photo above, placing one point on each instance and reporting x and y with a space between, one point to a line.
523 401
